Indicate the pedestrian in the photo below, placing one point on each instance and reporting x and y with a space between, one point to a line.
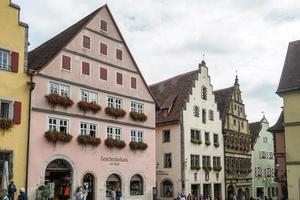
22 195
80 195
118 193
12 189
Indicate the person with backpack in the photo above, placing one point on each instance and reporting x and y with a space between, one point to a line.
12 189
22 195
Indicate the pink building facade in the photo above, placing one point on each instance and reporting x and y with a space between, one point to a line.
94 91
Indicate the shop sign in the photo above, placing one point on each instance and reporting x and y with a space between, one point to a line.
114 160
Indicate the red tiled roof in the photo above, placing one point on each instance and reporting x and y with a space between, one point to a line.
254 128
223 97
278 126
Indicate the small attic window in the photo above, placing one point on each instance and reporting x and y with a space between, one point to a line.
204 92
196 111
103 25
165 112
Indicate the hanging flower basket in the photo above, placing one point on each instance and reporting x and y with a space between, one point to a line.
111 143
207 143
115 112
195 167
217 168
137 116
55 136
58 100
5 124
88 106
207 168
138 145
197 142
87 139
216 144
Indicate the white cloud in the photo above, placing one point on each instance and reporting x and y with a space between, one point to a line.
169 37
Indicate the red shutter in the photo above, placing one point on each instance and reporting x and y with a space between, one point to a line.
103 73
14 62
119 54
119 78
85 68
17 112
103 25
103 49
66 62
133 82
86 42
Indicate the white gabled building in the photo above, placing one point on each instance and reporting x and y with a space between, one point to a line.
189 141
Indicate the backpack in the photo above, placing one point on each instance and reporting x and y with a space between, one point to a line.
12 188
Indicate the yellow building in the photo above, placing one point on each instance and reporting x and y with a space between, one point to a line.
289 90
14 93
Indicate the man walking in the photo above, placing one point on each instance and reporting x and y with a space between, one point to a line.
12 189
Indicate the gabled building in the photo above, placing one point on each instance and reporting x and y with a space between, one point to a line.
289 90
237 141
14 93
92 115
280 156
263 160
189 142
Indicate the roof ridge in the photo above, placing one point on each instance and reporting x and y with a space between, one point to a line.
172 78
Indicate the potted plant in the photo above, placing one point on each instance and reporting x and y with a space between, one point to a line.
5 124
207 168
195 167
88 139
207 143
137 116
217 168
111 143
88 106
44 192
195 141
56 136
58 100
115 112
138 145
216 144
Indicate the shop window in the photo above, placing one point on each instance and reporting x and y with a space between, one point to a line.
113 183
88 184
196 111
136 185
137 136
89 96
60 89
137 107
167 160
167 189
88 129
114 102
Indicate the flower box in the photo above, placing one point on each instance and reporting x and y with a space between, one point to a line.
55 136
217 168
198 142
216 145
111 143
195 167
138 145
88 106
115 112
87 139
207 143
137 116
5 124
57 100
207 168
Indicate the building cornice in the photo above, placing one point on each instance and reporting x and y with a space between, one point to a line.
288 124
296 162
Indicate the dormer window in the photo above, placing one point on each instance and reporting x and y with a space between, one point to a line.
204 93
165 112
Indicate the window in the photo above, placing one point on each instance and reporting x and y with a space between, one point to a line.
196 111
119 78
234 122
203 116
103 48
103 25
4 59
60 89
259 171
263 154
113 132
86 43
133 83
66 62
265 139
137 136
273 192
114 102
85 69
207 139
204 92
195 134
6 156
242 123
195 161
211 115
166 136
89 96
88 129
167 189
271 155
6 109
59 125
103 73
119 54
206 161
137 107
216 138
167 160
216 161
136 185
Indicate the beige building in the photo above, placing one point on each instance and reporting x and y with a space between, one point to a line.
189 142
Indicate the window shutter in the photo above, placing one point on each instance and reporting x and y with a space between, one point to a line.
133 82
85 68
103 49
14 62
119 54
66 62
119 78
17 112
103 73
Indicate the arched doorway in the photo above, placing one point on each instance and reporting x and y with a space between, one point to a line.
136 185
230 192
58 177
88 184
113 185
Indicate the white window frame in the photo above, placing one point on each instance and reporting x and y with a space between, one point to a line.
11 107
114 103
8 66
88 128
137 107
60 88
137 135
89 96
115 134
57 125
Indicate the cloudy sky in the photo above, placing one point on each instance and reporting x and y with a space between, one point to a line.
169 37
